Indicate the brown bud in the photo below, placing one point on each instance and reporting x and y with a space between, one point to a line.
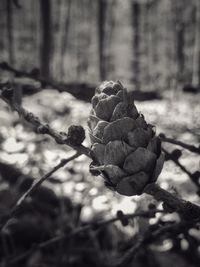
76 135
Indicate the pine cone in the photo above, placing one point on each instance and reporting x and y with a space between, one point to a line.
125 150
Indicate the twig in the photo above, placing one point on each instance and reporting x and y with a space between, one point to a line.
146 213
34 187
177 162
19 73
71 88
38 182
185 208
148 238
60 138
81 229
98 225
191 148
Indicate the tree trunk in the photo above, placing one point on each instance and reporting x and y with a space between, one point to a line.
136 43
180 41
46 38
10 31
196 52
65 35
108 59
148 46
102 5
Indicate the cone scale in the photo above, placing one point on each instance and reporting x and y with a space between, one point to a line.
124 148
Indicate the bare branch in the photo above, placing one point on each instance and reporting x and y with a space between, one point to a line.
82 91
81 229
38 182
177 162
148 238
191 148
185 208
59 137
34 187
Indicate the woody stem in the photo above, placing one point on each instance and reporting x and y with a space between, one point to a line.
183 207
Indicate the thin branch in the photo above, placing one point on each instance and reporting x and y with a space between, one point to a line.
98 225
19 73
59 137
82 91
34 187
148 238
189 147
38 182
185 208
81 229
177 162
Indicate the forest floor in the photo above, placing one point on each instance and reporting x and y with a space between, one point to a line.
176 115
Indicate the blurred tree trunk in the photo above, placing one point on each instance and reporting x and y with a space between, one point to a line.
136 43
180 41
148 43
59 17
46 38
79 38
35 34
102 6
65 35
17 94
180 49
110 29
196 52
9 13
154 42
